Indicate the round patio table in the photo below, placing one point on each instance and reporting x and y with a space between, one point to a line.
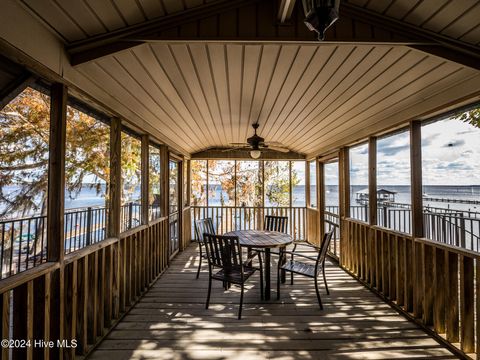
266 240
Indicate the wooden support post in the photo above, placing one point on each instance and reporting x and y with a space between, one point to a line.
164 176
307 184
56 207
115 186
344 182
188 185
186 214
344 197
418 272
145 179
321 200
180 201
372 181
416 178
56 174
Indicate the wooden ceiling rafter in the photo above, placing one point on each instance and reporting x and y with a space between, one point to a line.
131 36
244 154
15 87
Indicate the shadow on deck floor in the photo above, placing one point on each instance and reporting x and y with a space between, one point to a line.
171 322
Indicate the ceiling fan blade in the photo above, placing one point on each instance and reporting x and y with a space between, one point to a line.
279 148
274 143
238 144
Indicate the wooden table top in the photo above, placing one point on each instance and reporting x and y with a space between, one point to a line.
261 238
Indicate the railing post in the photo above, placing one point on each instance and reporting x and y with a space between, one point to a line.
463 236
89 227
385 216
130 214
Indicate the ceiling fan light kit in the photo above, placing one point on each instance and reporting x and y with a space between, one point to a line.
257 143
255 154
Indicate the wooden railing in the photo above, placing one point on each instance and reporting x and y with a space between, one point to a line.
81 297
436 284
244 218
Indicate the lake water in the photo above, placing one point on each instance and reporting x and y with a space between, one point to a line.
90 197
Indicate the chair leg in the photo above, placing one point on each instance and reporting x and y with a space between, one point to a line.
278 283
241 304
261 275
201 257
291 274
325 280
318 293
209 291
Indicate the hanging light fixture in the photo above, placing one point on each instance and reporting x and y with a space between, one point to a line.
255 153
320 15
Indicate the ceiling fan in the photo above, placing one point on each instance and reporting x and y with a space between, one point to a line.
256 143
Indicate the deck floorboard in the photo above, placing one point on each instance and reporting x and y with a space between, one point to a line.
171 322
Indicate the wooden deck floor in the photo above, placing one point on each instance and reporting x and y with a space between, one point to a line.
171 322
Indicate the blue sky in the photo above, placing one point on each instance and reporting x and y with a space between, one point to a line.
450 156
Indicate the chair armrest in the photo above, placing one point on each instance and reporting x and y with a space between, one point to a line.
311 245
299 255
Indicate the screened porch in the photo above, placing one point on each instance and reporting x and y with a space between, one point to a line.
125 125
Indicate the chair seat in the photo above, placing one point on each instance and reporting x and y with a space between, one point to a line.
234 275
299 268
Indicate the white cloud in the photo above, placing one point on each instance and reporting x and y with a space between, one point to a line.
450 156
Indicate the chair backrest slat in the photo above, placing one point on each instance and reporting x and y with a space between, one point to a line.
223 251
203 226
275 223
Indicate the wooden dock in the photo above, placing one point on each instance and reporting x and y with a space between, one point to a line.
458 201
171 322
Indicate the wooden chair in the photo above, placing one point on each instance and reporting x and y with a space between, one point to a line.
202 226
225 264
307 269
275 223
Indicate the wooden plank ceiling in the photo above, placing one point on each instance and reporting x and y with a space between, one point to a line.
310 97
